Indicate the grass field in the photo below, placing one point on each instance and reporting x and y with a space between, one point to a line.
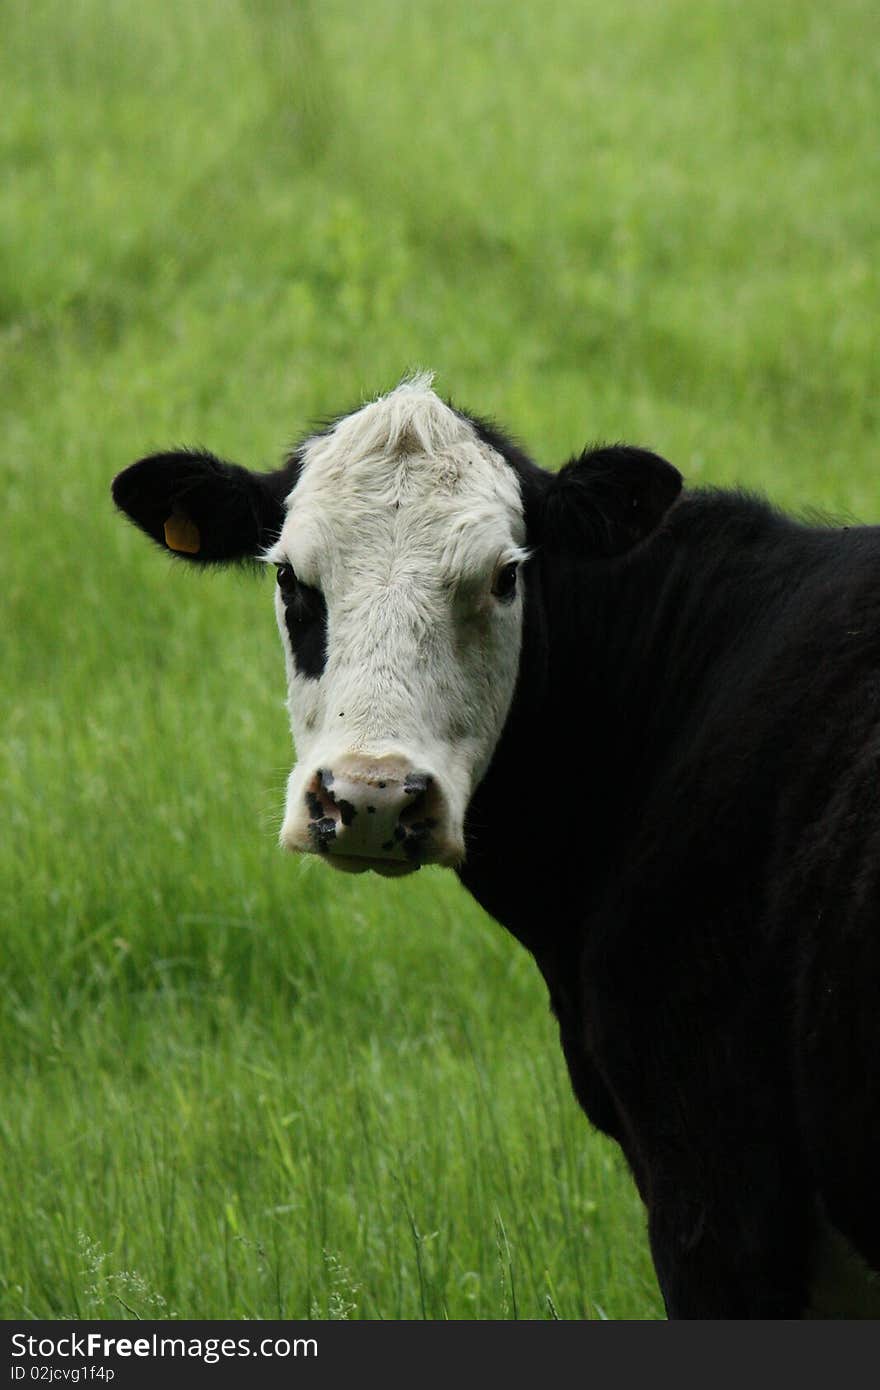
234 1085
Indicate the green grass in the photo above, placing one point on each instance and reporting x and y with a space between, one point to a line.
233 1085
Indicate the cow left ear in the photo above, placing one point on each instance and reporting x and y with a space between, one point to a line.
609 499
202 508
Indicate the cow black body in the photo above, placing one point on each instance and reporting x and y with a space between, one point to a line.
698 878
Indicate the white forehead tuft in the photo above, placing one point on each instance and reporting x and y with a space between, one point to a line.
411 419
411 422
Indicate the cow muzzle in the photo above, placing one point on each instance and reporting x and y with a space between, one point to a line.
380 813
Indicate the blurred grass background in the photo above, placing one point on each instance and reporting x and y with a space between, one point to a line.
234 1086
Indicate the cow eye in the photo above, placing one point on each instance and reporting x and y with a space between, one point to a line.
302 603
286 580
504 583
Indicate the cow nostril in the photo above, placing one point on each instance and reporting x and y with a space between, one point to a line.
417 788
420 816
415 782
320 800
326 810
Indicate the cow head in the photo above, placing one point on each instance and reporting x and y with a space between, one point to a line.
401 539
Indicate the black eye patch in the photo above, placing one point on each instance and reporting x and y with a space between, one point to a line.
305 614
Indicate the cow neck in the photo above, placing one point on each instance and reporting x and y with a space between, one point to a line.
621 662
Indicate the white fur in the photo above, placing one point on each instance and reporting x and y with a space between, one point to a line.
401 516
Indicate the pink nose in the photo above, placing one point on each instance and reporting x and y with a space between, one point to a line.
382 808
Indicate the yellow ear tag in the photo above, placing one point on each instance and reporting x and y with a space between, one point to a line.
182 534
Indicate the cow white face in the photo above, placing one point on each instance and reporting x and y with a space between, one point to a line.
399 603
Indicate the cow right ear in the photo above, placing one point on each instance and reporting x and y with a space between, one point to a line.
608 500
203 509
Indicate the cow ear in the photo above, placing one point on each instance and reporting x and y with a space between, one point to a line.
201 508
609 499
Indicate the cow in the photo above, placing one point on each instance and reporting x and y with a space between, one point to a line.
641 723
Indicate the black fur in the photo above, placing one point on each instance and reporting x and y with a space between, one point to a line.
608 500
238 513
706 911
